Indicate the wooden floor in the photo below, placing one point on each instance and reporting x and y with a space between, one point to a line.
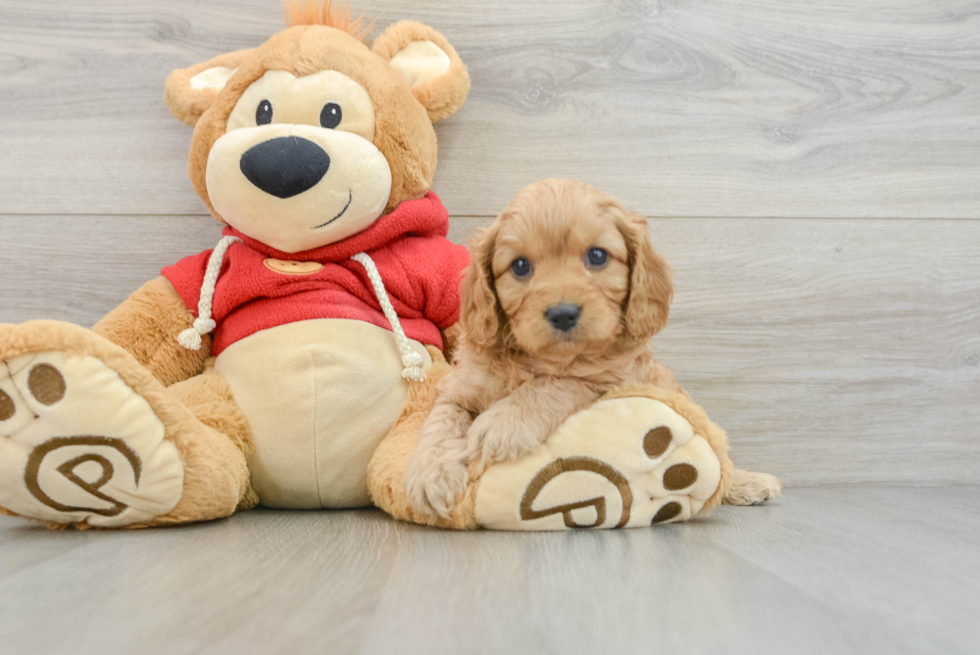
824 570
812 173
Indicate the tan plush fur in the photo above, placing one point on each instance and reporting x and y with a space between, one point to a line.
147 325
440 97
312 12
188 104
222 448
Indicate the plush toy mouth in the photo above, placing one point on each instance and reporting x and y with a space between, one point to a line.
350 198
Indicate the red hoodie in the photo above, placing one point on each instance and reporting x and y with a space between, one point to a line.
419 266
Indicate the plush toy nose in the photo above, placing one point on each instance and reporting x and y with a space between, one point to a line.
563 316
285 166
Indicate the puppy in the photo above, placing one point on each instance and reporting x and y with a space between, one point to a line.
562 296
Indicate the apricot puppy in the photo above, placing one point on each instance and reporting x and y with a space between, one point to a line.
562 296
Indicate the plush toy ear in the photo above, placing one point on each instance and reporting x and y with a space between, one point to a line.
428 63
190 91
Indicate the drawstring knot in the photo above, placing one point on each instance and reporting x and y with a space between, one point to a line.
191 337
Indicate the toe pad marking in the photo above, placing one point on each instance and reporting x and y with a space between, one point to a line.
680 476
657 441
668 511
46 384
7 407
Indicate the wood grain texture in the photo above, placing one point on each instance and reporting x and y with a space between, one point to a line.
857 570
772 108
833 351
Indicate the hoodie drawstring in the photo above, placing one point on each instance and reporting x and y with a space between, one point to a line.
191 337
411 360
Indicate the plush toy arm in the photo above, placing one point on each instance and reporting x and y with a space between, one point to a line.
147 325
516 425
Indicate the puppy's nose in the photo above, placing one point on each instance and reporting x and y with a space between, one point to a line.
563 316
285 166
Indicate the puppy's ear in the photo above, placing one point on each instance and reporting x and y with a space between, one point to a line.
478 312
191 91
428 63
651 288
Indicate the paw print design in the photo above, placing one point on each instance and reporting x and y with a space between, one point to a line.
78 445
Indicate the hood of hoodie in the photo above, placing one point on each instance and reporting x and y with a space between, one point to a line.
423 217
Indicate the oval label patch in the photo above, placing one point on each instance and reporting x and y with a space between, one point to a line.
292 268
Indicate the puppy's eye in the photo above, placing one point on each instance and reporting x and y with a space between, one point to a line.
597 257
263 115
330 115
521 267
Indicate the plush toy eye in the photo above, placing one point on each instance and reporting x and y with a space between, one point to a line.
521 267
597 257
331 115
263 115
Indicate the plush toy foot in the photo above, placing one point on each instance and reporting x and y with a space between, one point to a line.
77 444
627 461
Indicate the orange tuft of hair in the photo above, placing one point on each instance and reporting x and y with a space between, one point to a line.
323 12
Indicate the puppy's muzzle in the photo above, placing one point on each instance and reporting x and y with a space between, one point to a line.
285 166
564 316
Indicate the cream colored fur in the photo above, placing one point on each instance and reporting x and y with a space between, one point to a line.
327 393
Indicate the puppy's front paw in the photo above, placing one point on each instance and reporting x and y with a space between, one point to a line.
498 437
433 486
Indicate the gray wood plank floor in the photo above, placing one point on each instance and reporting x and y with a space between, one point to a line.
822 570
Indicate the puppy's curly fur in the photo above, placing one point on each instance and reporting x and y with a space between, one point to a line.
521 373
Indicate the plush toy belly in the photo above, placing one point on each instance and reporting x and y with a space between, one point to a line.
319 396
